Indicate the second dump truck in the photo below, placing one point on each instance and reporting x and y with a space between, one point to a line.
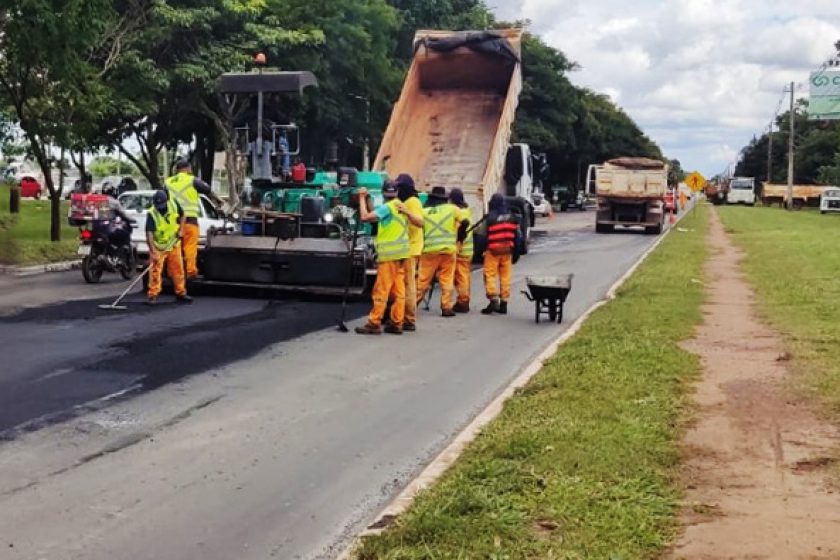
630 191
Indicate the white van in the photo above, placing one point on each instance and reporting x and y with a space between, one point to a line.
741 191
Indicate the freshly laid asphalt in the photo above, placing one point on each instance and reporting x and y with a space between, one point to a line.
240 428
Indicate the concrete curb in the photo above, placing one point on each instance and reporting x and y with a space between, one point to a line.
453 451
36 269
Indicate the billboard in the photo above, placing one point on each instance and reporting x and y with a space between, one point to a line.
825 96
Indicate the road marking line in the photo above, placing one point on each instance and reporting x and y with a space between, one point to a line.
445 459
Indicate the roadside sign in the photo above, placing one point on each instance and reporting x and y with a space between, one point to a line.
695 181
825 96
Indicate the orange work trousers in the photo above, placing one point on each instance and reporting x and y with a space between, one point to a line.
441 265
463 268
174 261
390 284
411 290
190 244
498 269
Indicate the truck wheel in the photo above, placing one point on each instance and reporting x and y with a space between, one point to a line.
654 230
604 228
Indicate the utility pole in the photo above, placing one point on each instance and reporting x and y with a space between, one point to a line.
770 154
791 147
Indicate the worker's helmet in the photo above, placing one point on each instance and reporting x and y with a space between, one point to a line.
182 164
160 200
389 190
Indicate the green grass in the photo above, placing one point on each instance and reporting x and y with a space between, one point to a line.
582 463
25 238
793 262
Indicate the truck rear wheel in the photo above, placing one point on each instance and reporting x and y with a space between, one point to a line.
604 228
654 230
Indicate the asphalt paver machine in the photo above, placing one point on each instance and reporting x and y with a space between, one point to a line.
292 233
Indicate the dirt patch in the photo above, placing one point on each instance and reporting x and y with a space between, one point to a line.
756 458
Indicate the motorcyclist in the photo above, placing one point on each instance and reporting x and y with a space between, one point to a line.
120 231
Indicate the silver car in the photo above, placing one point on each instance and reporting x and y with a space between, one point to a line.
830 200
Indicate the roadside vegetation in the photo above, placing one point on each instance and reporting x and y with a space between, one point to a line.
582 462
792 261
25 237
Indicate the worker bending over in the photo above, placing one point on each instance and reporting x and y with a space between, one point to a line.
463 262
164 224
440 235
185 189
408 196
502 238
392 253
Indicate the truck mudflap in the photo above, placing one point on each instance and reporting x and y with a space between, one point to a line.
317 266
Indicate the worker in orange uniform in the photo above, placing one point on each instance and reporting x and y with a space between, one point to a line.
502 237
186 189
440 236
164 224
463 261
392 253
683 200
407 194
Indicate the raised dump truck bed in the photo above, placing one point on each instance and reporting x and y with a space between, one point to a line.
452 123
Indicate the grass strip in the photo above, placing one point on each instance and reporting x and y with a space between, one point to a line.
582 462
25 237
793 263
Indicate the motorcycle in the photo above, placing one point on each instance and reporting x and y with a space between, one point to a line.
105 246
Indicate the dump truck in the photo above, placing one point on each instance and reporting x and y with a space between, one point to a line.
803 195
630 191
452 123
716 192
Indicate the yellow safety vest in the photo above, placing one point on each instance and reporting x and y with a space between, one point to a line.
468 247
392 237
166 227
440 231
181 187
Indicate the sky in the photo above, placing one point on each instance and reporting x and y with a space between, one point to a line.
700 77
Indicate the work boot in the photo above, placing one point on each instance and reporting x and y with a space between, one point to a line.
502 308
391 328
409 327
183 299
369 329
461 307
447 313
152 301
492 307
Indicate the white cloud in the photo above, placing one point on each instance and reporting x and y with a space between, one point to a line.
701 77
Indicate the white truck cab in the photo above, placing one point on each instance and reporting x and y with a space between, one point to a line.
741 191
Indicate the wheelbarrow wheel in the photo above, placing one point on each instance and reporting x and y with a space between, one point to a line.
552 310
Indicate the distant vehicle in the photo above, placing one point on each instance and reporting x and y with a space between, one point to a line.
741 191
803 195
566 197
136 204
541 205
30 187
830 200
631 192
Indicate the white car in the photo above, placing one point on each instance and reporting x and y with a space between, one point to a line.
541 205
830 200
136 204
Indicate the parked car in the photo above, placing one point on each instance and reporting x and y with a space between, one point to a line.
830 200
541 205
30 187
137 203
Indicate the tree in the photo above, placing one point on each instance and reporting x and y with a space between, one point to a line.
52 84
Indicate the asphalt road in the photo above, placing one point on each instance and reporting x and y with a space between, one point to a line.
240 429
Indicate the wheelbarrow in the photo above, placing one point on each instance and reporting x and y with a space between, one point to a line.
548 293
